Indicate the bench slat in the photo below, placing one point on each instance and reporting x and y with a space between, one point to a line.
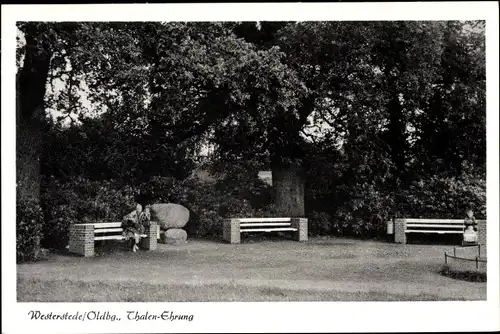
110 237
115 237
257 220
268 229
106 230
264 224
438 232
435 225
106 225
434 221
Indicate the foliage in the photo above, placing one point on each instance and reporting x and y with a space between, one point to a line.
444 197
389 116
80 200
365 213
450 132
99 150
320 223
343 201
29 222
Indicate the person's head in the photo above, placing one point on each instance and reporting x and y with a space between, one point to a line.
138 208
470 213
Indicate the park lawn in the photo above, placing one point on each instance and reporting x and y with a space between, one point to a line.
99 291
256 270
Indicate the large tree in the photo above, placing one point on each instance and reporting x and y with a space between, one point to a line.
252 91
451 125
30 93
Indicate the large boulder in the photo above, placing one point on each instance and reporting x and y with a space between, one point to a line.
169 215
174 236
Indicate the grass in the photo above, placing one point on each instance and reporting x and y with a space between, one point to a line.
33 290
466 275
270 270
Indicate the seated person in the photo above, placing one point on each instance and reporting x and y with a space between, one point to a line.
470 234
134 225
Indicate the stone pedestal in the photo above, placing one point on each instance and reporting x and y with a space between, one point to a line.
174 236
231 231
400 231
301 225
81 239
481 236
150 242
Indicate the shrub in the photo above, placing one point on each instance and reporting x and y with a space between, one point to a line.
363 215
29 222
444 197
81 201
362 209
320 223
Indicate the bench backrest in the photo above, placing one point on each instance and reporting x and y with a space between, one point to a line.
109 230
265 224
411 221
434 225
264 220
108 227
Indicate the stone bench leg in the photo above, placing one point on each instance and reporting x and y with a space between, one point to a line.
400 231
81 240
151 241
481 237
231 231
302 229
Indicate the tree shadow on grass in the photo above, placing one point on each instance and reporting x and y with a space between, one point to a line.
433 239
104 247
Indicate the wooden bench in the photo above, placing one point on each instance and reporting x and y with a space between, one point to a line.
233 227
83 236
424 225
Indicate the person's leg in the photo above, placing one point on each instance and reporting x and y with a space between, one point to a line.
130 239
136 240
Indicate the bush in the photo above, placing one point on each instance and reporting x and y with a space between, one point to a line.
364 215
320 223
81 201
444 197
29 223
362 209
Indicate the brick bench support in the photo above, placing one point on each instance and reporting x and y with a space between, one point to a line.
302 231
151 241
231 230
400 231
81 239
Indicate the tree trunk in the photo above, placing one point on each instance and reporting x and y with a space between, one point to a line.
30 114
28 152
289 184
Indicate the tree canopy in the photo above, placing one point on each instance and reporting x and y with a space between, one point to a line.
396 101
